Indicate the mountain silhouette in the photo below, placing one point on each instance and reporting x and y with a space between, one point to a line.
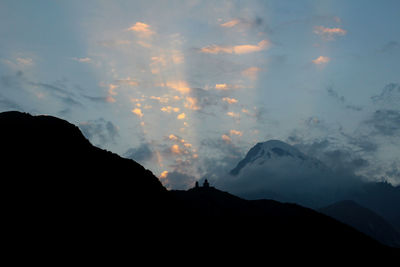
60 189
279 171
364 220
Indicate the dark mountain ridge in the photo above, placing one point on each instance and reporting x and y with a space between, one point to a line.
56 183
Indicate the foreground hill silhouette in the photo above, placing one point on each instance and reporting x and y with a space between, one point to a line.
55 183
364 220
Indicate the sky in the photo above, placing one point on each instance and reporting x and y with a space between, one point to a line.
186 88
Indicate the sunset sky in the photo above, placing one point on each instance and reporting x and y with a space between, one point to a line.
186 88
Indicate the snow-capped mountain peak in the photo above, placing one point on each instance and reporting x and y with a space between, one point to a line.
274 150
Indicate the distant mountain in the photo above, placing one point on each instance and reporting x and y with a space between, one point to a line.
364 220
279 171
274 151
60 192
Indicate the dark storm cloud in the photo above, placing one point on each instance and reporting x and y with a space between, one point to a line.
99 131
140 154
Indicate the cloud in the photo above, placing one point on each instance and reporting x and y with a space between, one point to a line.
229 100
177 180
8 104
238 49
24 61
389 97
321 60
142 29
65 95
181 116
226 138
128 81
341 99
385 122
169 109
251 73
180 86
140 154
233 114
100 131
329 34
192 103
113 43
390 47
230 24
235 132
82 59
137 112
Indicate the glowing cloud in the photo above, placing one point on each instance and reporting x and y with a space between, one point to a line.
181 116
235 132
164 175
226 138
321 60
233 114
192 103
173 137
230 23
180 86
170 109
142 28
329 33
251 73
221 86
238 49
138 112
176 150
229 100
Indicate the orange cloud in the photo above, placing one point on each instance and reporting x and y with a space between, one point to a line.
138 112
175 149
180 86
173 137
192 103
181 116
235 132
329 33
229 100
226 138
142 28
233 114
164 175
251 72
230 23
321 60
170 109
221 86
238 49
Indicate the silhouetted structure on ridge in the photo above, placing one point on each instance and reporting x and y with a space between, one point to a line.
206 184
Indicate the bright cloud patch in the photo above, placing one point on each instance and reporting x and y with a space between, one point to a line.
238 49
329 33
142 28
229 100
231 23
321 60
